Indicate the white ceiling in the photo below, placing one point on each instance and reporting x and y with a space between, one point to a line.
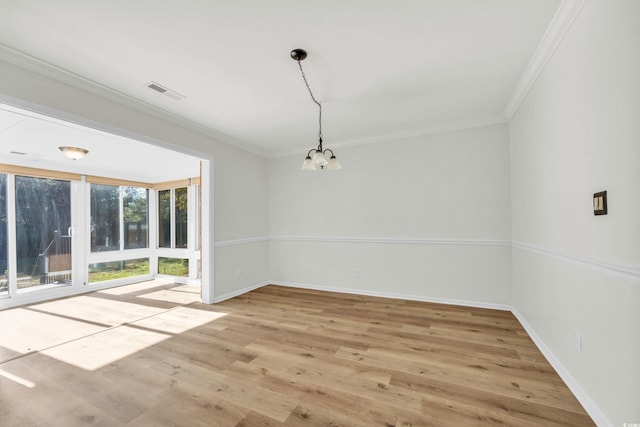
32 140
381 68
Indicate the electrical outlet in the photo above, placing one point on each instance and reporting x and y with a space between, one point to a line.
577 341
237 274
356 274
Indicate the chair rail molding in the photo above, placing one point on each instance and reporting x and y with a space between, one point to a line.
626 272
392 240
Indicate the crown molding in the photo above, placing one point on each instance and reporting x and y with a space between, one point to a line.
441 128
39 66
560 24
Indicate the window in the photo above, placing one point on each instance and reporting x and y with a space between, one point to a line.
173 218
43 221
105 218
136 212
112 270
108 218
164 219
181 200
173 266
119 222
61 231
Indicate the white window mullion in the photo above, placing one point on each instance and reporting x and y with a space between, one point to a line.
121 219
192 227
172 213
87 227
12 255
206 219
79 219
153 230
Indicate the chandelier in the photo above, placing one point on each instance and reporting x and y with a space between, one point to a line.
316 156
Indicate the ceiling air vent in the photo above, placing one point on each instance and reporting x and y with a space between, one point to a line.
165 91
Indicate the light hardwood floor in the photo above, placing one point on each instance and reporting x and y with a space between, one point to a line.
147 354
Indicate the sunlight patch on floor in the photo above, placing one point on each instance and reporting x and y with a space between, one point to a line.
136 287
175 295
23 330
179 320
95 351
16 379
99 310
94 330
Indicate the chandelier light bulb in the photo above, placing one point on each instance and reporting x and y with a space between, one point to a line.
308 165
334 164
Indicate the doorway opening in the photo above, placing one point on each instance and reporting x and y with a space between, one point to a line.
129 211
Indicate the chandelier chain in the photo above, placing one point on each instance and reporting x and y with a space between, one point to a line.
304 77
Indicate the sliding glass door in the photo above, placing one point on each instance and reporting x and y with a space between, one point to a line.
43 232
60 232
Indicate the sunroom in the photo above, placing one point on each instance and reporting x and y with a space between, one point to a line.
126 212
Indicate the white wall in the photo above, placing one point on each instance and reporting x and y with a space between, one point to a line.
577 133
239 191
451 187
428 217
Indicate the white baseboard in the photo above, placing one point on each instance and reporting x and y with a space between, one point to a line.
220 298
585 400
465 303
409 297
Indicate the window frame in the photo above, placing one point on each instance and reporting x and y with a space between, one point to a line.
80 230
192 252
122 253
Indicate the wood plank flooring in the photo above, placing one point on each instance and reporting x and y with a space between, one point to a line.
148 355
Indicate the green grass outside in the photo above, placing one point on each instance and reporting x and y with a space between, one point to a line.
119 270
173 266
122 269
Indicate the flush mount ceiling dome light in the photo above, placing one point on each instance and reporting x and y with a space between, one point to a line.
315 157
74 153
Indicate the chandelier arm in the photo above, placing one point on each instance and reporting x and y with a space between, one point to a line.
313 98
330 150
